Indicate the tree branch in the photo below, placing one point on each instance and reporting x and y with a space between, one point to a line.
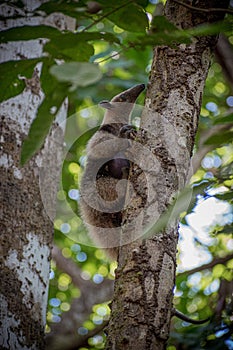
207 266
72 269
64 334
83 341
224 56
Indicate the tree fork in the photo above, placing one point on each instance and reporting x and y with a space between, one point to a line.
145 277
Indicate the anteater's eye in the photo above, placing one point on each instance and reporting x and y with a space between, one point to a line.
123 98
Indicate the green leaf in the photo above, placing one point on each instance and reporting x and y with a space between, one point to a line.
10 72
55 94
94 36
227 229
75 46
211 28
162 24
63 48
80 144
28 33
162 38
77 73
38 131
226 172
102 54
109 37
70 9
198 189
131 18
42 31
82 52
166 33
163 33
142 3
114 3
226 119
219 139
227 196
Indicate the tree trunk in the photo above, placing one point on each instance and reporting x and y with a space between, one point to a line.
27 229
145 277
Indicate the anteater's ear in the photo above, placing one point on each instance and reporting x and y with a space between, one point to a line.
106 104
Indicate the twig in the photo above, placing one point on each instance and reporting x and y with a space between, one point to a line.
124 48
106 15
207 266
209 10
188 319
111 56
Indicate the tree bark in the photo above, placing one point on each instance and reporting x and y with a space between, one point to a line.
26 229
145 277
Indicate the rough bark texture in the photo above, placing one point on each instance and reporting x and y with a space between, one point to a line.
26 229
145 278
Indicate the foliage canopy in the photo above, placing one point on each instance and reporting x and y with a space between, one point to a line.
111 50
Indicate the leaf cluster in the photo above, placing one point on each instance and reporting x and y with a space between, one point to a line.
69 58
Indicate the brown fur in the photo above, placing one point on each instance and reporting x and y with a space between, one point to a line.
103 185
